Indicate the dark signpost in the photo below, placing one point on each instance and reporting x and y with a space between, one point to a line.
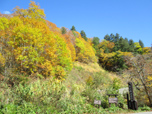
113 99
132 104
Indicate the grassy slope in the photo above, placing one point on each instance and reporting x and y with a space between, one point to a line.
73 95
81 72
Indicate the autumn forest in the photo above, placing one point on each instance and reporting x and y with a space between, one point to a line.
47 69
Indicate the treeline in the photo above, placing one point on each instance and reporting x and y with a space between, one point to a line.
121 44
125 45
114 48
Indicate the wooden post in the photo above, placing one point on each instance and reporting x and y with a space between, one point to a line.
132 104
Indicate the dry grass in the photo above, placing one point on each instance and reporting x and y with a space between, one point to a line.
81 72
94 67
91 67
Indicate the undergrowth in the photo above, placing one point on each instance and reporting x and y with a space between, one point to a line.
50 96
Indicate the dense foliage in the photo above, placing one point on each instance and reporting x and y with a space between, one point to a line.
38 71
29 44
113 50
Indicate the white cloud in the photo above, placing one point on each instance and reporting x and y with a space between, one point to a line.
6 12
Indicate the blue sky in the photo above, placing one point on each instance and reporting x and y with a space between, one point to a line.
130 18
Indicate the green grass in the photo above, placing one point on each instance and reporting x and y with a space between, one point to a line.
74 95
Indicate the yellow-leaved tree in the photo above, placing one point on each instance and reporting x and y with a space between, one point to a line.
29 46
85 51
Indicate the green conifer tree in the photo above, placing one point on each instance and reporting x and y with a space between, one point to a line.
63 30
131 45
95 41
126 45
107 37
83 35
141 43
121 44
112 37
73 28
116 37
